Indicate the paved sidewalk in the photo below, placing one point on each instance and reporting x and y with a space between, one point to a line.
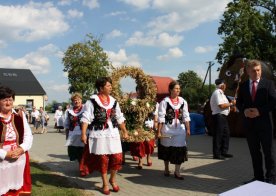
203 175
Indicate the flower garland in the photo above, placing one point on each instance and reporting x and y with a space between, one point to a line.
136 110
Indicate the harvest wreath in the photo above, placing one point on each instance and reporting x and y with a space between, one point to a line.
135 110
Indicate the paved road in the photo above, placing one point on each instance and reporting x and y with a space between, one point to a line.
203 175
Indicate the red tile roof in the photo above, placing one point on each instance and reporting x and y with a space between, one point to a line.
162 84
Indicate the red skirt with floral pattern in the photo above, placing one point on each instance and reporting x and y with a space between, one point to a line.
141 149
102 163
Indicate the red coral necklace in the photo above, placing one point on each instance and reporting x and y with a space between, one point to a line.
104 102
175 102
6 122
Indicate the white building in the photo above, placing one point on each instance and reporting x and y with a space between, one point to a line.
28 91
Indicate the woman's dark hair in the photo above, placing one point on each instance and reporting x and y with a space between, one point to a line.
101 82
6 92
172 85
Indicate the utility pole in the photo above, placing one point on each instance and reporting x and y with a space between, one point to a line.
211 63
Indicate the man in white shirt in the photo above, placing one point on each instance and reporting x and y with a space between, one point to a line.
220 107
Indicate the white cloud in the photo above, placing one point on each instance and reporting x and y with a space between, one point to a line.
172 53
163 40
91 4
117 13
204 49
57 92
38 61
121 58
140 4
65 74
114 33
126 18
123 16
73 13
3 44
30 22
65 2
180 15
185 15
59 87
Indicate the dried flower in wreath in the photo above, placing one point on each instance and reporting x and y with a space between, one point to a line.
135 110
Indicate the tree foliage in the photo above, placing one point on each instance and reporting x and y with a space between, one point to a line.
248 28
189 79
85 62
191 89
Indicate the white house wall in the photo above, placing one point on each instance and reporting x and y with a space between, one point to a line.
38 100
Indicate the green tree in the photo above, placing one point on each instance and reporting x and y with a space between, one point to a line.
85 62
189 79
49 106
191 89
248 28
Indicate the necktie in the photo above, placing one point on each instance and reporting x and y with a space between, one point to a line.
253 91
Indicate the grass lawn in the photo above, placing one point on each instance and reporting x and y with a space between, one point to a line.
47 183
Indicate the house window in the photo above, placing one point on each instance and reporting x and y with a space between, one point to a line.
30 103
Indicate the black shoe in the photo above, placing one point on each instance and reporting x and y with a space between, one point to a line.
167 173
270 181
178 177
227 155
249 181
139 167
219 157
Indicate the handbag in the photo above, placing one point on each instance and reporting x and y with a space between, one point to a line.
47 117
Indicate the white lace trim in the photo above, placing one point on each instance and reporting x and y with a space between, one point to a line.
176 107
4 190
71 111
97 99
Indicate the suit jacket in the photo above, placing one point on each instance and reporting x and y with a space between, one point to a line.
265 102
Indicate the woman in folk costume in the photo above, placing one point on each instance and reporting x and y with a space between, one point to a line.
173 126
59 119
146 148
72 127
103 151
16 139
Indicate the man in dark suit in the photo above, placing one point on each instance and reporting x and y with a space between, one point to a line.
256 99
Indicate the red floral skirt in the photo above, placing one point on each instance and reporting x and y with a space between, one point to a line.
102 163
141 149
27 185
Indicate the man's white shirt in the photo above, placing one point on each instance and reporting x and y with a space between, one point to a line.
218 97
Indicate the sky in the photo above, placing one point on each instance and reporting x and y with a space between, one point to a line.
163 37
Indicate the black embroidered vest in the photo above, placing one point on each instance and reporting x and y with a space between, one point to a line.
170 114
100 117
74 121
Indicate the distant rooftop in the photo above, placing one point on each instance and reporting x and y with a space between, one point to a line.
162 85
22 81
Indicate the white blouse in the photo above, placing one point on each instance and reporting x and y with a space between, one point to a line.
105 141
